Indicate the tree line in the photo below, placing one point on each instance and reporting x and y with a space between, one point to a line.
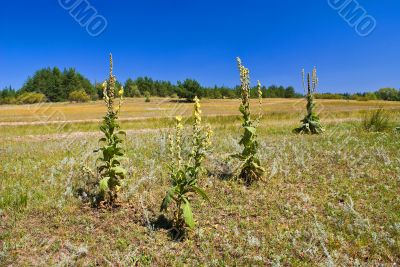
388 94
54 85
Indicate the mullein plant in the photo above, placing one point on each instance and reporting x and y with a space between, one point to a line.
109 168
185 171
311 123
250 168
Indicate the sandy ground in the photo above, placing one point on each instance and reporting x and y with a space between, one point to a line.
98 134
137 109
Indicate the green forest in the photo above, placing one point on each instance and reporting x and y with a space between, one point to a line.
54 85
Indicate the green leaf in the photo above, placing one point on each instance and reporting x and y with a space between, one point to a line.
187 214
168 198
251 129
103 184
201 193
119 170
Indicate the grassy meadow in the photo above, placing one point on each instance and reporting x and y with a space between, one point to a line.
328 200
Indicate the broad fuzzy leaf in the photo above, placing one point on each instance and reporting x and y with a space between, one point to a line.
168 198
187 214
103 184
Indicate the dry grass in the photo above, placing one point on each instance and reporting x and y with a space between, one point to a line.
137 109
326 200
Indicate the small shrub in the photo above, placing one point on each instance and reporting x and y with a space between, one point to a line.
310 124
8 100
147 96
31 98
377 121
79 96
109 169
250 168
184 174
365 97
94 97
135 92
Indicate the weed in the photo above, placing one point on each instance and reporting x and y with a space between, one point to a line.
311 123
147 96
109 169
250 168
377 121
184 174
14 200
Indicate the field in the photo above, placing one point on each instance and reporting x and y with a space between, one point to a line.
326 200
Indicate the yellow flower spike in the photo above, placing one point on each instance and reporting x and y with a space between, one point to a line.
178 118
121 91
197 111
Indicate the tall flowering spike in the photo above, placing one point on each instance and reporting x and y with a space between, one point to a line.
196 126
245 83
197 111
260 94
178 140
111 65
314 79
105 92
111 88
259 91
201 139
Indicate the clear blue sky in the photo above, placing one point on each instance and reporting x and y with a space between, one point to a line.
176 39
